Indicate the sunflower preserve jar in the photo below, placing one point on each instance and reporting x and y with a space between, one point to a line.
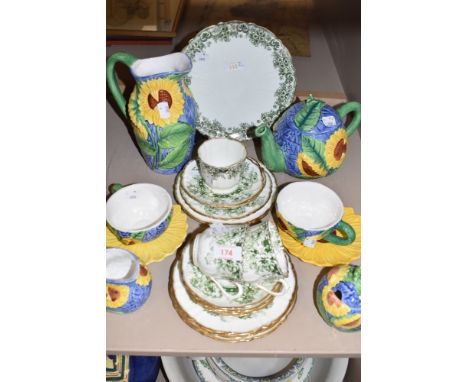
161 108
338 297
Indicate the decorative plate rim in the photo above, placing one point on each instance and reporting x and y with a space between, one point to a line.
227 206
234 337
249 219
244 215
240 310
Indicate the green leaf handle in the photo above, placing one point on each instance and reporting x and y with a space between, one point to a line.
126 59
346 229
115 187
345 109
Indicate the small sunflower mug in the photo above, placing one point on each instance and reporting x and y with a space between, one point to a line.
310 212
128 281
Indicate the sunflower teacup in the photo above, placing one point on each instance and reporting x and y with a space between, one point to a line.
310 212
139 212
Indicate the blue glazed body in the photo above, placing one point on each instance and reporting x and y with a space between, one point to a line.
166 144
142 236
125 296
339 298
290 137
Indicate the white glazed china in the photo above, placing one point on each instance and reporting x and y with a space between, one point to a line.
242 75
252 254
310 206
222 163
235 212
271 369
263 246
201 285
139 211
310 212
234 324
120 264
180 369
251 184
311 370
220 282
239 215
255 367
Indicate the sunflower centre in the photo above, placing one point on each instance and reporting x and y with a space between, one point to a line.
340 149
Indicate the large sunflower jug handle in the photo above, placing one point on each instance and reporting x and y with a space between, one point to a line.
344 110
128 60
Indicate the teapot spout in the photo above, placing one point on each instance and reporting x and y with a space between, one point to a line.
272 155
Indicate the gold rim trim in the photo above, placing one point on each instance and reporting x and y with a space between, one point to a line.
219 218
180 199
230 336
224 310
227 206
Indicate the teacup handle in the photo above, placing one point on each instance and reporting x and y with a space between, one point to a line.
350 107
283 290
126 59
113 188
240 289
346 229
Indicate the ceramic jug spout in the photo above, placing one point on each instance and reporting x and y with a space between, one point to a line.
272 155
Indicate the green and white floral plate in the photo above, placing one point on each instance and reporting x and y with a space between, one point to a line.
202 285
246 213
251 184
183 369
254 369
242 75
232 328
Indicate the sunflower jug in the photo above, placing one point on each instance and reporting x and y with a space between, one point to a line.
161 108
310 138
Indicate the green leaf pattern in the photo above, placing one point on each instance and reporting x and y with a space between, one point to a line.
306 119
314 149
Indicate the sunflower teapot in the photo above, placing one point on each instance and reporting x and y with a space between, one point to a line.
309 139
161 108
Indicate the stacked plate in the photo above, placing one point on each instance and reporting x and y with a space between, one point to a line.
255 369
249 201
217 309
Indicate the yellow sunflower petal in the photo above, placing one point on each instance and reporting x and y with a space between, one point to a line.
350 322
158 90
116 295
337 274
309 168
144 276
138 127
326 254
161 247
335 148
